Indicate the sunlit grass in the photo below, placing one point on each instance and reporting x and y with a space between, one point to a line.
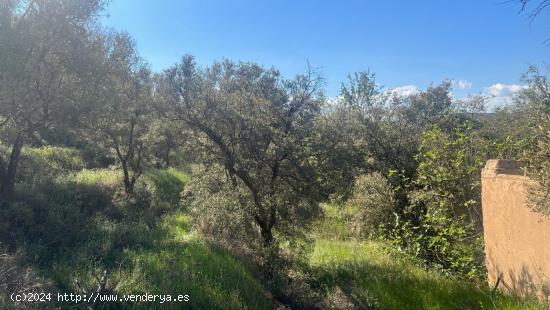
374 275
165 258
60 158
168 257
105 177
180 262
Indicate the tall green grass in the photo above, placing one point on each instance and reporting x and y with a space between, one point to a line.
167 184
56 157
369 274
180 262
71 225
103 177
76 226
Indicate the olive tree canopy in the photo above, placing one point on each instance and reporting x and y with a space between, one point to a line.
256 125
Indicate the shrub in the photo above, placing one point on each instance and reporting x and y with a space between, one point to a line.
442 224
216 209
371 204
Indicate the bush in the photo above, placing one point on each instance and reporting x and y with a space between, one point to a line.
371 204
217 212
442 224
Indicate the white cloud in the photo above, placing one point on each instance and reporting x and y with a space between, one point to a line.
403 91
463 84
503 89
501 94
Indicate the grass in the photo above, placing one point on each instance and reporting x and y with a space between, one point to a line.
154 253
370 274
59 158
167 184
169 259
73 227
104 177
180 262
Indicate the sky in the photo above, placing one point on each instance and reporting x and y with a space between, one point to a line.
483 46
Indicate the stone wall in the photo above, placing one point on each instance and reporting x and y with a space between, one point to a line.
517 240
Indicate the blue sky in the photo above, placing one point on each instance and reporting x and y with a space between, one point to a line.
483 45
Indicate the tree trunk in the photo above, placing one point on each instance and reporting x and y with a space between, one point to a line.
270 250
267 235
7 183
128 185
167 156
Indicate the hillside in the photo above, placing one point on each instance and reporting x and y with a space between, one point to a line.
170 257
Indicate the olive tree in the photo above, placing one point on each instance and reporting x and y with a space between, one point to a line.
45 63
380 130
259 127
119 119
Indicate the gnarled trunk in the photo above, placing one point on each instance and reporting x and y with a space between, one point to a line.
267 235
270 249
7 175
128 184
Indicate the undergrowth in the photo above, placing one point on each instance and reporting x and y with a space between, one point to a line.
371 274
70 227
